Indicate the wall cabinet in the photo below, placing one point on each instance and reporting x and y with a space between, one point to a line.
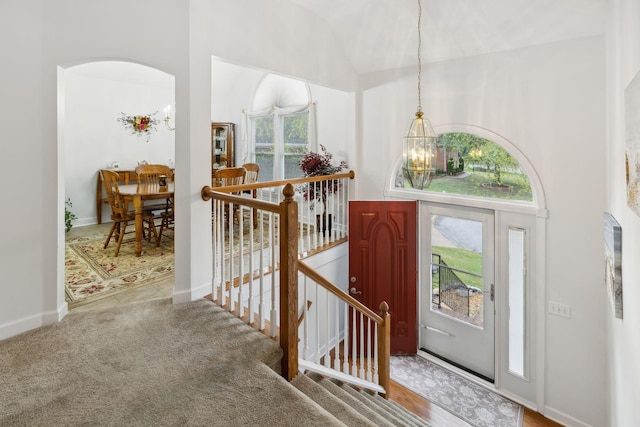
222 145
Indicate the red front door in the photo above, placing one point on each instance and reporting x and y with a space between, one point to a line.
382 264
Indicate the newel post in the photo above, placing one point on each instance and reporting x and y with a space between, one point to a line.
289 283
384 349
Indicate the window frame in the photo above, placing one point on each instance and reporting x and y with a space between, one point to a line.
279 151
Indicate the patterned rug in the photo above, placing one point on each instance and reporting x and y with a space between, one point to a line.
474 404
92 272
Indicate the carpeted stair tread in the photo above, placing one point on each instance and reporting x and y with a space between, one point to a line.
412 419
404 417
371 412
330 402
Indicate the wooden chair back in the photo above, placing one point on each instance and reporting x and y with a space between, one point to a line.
253 169
118 207
230 176
149 176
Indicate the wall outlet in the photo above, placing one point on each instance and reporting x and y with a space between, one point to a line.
560 309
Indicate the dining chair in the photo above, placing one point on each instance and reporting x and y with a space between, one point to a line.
253 170
229 176
120 213
149 177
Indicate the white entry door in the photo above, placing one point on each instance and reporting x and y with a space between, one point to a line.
457 314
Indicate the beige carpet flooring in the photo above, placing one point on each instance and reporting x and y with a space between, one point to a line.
149 364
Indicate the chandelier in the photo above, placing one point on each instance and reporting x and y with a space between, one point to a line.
419 148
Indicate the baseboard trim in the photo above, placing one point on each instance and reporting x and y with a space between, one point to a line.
192 294
20 326
562 418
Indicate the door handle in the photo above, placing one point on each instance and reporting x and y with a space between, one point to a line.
354 291
491 292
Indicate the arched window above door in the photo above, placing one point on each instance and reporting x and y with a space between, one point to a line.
469 164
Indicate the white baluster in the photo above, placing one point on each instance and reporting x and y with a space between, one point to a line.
223 266
354 346
240 261
307 210
336 339
250 308
369 349
216 251
274 312
361 374
307 318
327 355
376 379
345 345
261 305
231 269
317 323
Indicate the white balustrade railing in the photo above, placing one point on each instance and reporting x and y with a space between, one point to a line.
246 264
339 337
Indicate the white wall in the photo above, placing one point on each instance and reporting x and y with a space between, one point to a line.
95 95
232 90
623 342
173 36
549 102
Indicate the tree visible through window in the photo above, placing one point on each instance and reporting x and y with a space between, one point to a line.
475 166
280 142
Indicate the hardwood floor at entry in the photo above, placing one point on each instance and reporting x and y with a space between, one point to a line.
442 418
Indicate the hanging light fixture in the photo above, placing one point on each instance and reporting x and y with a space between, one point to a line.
419 151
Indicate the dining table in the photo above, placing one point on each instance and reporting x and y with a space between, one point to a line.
138 194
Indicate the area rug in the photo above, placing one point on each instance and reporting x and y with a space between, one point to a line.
474 404
92 272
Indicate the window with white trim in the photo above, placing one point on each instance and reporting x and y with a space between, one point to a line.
280 127
279 142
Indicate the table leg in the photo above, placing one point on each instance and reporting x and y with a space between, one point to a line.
137 206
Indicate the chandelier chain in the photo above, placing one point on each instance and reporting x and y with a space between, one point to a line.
419 55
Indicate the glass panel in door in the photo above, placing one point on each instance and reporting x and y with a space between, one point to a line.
457 310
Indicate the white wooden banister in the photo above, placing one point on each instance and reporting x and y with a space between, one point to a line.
258 280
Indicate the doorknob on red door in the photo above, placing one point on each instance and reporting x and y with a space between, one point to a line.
354 291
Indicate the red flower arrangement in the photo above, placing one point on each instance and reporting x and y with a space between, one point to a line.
319 164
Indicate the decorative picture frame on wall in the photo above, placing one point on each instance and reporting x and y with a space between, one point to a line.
613 262
632 143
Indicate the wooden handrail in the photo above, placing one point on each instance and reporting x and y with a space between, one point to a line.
313 275
268 184
383 320
290 266
208 193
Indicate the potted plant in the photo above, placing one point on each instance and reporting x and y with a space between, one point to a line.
320 164
69 216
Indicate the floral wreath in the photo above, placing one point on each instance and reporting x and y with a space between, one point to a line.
140 125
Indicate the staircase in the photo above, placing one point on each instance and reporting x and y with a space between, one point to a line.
353 406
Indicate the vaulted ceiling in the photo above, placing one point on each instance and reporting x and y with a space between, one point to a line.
382 34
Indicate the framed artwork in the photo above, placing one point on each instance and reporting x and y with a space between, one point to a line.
613 262
632 143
